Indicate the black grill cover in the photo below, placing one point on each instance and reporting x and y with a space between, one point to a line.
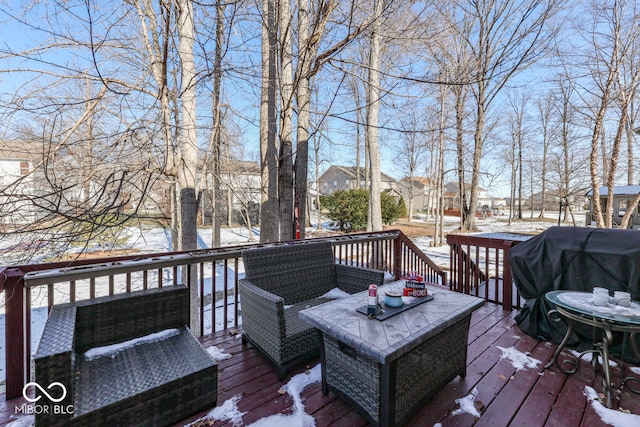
574 258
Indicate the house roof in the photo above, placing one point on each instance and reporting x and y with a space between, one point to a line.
350 171
20 150
240 166
236 166
453 187
417 180
618 190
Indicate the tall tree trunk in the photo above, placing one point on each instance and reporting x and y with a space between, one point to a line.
269 215
285 168
459 107
217 127
189 150
598 131
630 140
545 114
374 222
359 121
469 213
438 234
520 168
303 98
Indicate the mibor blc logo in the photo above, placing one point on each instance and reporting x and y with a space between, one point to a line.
55 392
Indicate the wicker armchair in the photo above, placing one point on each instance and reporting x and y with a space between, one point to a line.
282 280
158 381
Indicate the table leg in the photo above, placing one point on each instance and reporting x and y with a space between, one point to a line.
607 338
554 358
323 364
630 379
387 395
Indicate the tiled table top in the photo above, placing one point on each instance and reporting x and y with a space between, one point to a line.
389 339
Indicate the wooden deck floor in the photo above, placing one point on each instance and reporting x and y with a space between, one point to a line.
530 397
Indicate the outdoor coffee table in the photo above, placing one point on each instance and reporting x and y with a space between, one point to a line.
389 368
577 308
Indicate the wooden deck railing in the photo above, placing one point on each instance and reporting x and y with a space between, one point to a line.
29 290
480 266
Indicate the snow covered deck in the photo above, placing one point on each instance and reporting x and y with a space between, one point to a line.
506 384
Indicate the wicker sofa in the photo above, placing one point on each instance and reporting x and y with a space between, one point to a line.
162 376
282 280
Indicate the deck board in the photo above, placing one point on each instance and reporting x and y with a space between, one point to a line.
531 397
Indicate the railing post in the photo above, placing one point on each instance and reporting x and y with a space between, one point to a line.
507 282
17 333
397 257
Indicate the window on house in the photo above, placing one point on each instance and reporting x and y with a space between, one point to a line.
346 182
24 168
623 206
335 184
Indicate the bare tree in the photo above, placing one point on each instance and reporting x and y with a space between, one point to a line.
565 117
89 166
269 220
374 222
526 27
518 105
410 154
544 107
615 50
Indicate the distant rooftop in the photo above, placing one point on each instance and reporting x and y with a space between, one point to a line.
620 190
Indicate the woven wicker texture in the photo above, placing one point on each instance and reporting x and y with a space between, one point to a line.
389 368
419 374
292 275
358 377
149 384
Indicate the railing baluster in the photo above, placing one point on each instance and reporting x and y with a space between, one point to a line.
72 291
497 279
201 285
236 300
214 286
225 296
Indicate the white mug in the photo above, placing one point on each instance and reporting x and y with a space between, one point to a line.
600 299
622 298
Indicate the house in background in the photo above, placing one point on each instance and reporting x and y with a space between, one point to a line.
17 181
553 200
452 198
345 178
240 187
420 190
623 197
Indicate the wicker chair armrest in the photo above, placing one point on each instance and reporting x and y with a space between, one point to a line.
353 279
262 310
54 360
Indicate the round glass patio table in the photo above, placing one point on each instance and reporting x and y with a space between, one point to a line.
577 308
